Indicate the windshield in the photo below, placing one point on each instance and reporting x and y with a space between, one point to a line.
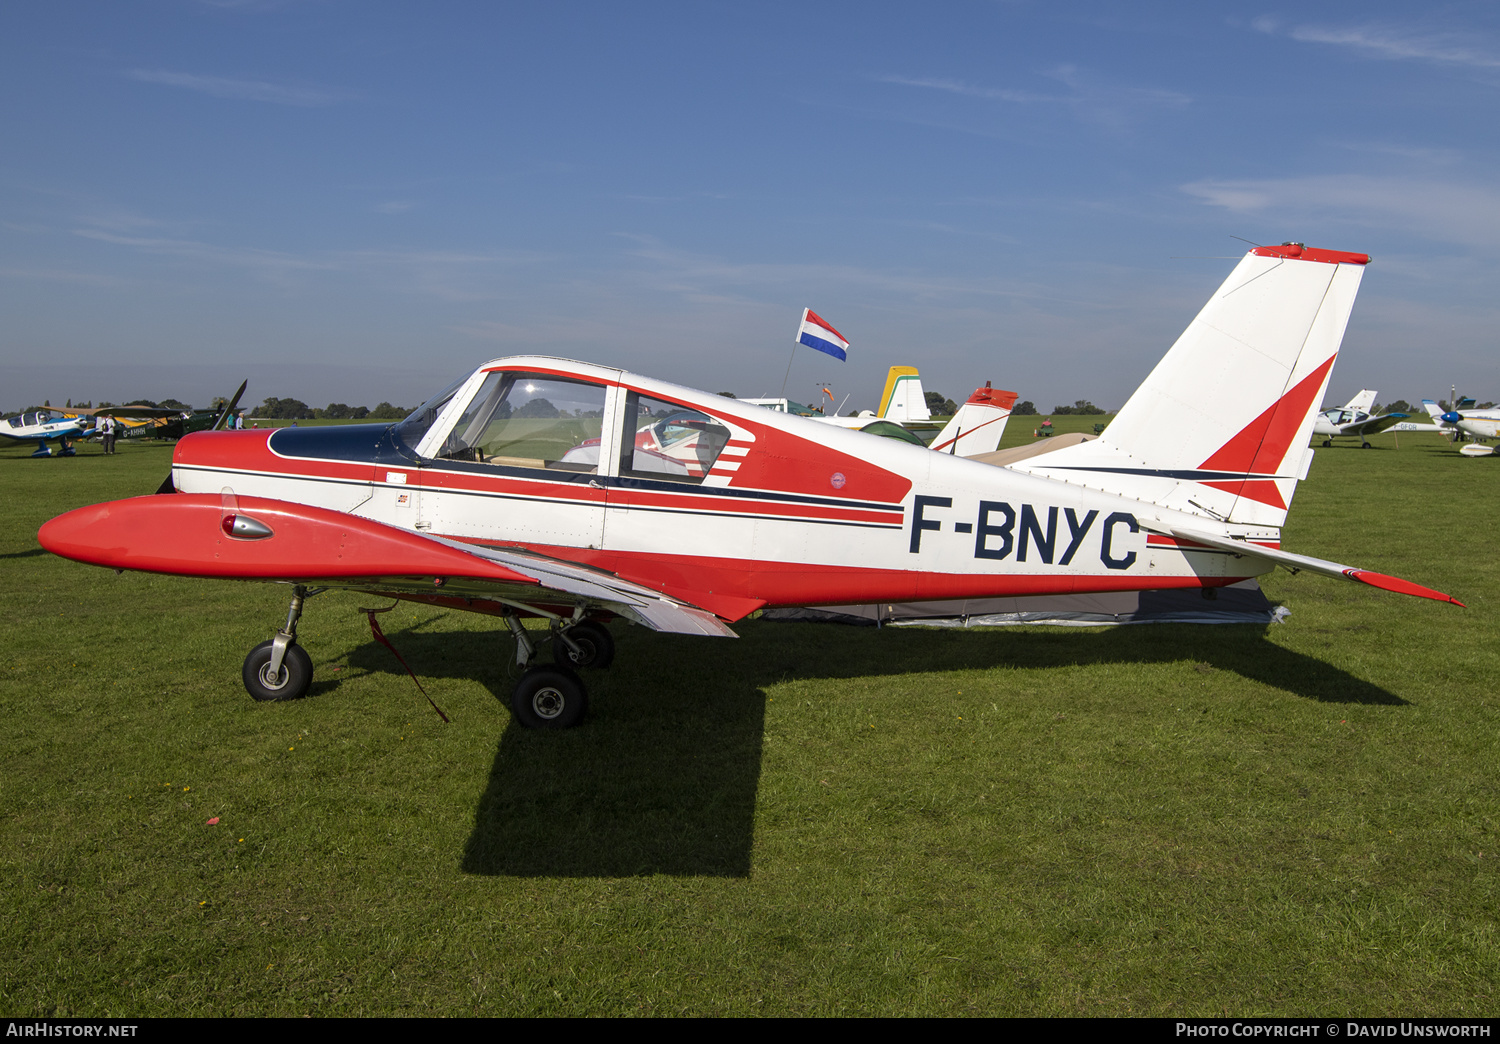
530 420
420 419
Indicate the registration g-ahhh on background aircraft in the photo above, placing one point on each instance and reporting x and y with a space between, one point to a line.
579 493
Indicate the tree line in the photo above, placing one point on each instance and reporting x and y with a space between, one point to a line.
295 409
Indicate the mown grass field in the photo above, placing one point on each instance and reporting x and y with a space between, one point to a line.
812 820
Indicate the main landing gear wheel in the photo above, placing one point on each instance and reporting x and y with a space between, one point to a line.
549 698
596 646
290 683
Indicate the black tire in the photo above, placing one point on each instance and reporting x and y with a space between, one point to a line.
595 641
549 698
295 678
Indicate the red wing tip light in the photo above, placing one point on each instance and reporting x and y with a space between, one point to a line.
1395 583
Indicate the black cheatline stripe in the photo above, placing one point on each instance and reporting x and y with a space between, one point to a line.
1191 473
771 518
555 500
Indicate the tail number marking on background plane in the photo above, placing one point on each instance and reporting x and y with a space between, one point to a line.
999 530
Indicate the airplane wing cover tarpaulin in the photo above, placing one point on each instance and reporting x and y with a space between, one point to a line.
252 538
1295 562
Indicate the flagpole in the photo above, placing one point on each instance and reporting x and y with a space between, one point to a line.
788 372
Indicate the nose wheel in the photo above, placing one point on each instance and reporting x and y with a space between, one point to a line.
280 669
288 681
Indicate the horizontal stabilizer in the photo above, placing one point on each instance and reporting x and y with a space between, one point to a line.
1295 563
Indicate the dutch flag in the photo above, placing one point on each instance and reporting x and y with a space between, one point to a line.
816 333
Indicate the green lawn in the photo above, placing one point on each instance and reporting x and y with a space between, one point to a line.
812 820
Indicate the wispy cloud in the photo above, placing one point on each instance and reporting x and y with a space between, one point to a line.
301 95
1431 157
447 275
969 90
695 276
1390 42
1112 106
62 275
1443 211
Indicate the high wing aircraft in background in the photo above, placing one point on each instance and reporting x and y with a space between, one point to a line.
526 488
159 422
1354 418
48 425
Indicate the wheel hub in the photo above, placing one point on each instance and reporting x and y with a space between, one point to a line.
548 702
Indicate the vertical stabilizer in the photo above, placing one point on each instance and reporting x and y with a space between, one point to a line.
902 399
1220 428
978 425
1364 402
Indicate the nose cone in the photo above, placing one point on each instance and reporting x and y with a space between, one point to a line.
84 535
1451 417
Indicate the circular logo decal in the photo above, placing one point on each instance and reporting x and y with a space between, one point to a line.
838 480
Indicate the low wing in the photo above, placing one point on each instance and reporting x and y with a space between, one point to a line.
1295 563
1374 425
251 538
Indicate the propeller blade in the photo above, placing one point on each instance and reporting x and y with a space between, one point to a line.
229 406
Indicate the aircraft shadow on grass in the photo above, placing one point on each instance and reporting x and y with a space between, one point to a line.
663 778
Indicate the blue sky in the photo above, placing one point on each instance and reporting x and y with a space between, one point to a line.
356 201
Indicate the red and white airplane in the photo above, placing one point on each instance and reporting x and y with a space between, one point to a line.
578 493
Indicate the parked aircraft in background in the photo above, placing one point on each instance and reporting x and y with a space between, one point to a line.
526 488
47 425
975 428
1354 418
978 425
159 422
68 425
902 401
1466 420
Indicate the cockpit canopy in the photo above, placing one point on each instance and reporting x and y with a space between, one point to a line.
557 423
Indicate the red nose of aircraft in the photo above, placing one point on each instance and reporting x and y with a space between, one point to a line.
186 534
